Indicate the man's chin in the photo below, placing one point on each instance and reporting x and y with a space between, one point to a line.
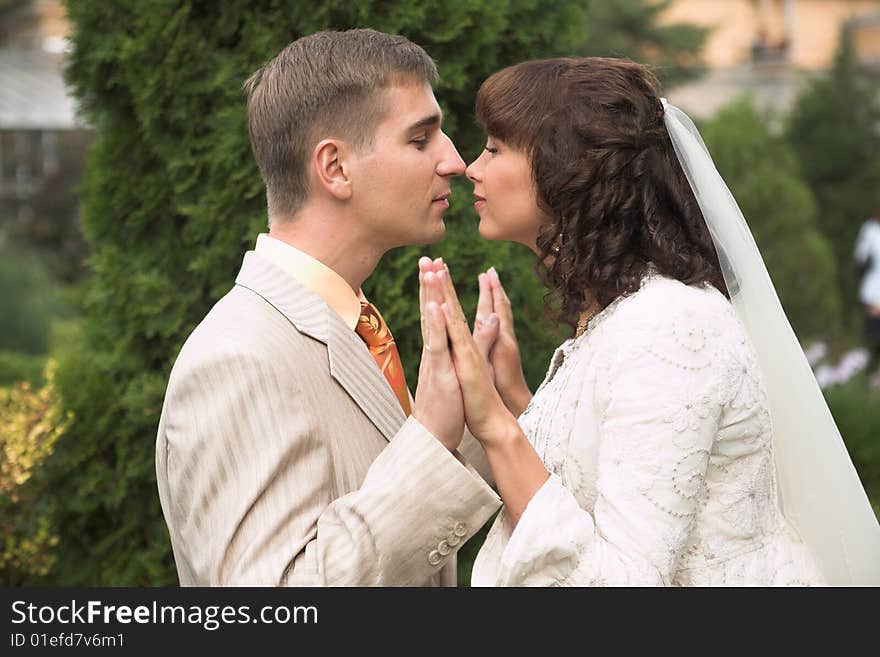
433 235
437 233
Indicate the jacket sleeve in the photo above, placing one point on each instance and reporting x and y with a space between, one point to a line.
246 487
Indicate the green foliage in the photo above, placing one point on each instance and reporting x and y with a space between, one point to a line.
16 366
31 421
28 301
630 28
834 129
763 175
172 198
856 410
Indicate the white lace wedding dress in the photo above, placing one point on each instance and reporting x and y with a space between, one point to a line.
654 427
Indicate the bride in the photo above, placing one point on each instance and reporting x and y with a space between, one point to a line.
679 437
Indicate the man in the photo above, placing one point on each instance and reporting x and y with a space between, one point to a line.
287 453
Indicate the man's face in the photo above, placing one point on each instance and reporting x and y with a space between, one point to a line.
400 188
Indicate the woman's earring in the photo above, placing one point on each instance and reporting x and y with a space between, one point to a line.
558 243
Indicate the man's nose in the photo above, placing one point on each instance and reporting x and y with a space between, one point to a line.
451 164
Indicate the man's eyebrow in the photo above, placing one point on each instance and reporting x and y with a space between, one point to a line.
434 119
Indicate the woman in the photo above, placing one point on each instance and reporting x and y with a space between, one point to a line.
646 457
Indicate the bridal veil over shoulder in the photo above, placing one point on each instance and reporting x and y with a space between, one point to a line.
820 492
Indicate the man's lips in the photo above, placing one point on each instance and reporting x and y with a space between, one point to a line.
442 199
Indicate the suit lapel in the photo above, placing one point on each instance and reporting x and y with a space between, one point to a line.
354 368
351 364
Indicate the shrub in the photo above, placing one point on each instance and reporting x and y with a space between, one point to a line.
31 422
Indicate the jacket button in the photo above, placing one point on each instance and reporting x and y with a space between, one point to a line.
460 529
443 548
434 558
453 540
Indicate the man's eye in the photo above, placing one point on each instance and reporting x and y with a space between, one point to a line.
420 142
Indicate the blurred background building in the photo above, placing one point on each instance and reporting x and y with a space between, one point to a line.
770 48
42 142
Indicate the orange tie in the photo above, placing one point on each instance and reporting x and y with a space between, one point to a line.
373 330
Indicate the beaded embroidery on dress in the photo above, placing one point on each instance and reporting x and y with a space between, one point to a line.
654 427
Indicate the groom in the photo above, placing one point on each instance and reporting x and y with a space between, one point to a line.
289 450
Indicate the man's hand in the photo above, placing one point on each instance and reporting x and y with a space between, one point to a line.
438 403
488 419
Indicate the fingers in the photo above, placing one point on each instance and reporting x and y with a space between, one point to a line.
433 322
422 308
450 296
439 342
433 288
491 296
485 334
424 266
501 304
460 339
485 306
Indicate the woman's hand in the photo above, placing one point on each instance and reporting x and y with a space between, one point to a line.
485 412
496 342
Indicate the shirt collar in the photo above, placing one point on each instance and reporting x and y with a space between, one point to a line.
314 275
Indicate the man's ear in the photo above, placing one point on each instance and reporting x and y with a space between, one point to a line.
330 165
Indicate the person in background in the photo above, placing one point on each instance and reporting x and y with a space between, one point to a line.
868 259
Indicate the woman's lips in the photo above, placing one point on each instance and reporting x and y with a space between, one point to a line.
480 202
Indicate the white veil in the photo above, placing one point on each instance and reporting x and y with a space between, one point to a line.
820 492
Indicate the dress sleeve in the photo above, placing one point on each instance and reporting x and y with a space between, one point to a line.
656 417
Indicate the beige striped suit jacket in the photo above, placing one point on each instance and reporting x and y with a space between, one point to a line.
284 458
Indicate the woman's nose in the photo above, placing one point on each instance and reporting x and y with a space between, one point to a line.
472 171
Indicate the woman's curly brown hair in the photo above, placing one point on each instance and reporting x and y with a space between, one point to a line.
607 174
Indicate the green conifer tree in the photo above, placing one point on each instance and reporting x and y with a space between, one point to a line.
763 175
632 29
834 129
172 198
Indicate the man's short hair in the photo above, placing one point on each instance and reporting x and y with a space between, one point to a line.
325 84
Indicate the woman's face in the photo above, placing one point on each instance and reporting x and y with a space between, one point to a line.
506 196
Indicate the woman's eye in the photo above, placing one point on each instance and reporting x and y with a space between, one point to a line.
491 149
